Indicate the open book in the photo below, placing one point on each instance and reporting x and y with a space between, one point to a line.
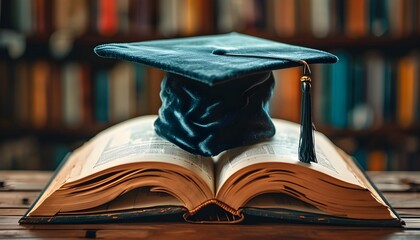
127 172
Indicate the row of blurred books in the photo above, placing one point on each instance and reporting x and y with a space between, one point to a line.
106 17
286 18
322 18
361 91
400 153
43 94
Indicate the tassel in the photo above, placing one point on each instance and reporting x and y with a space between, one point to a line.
306 140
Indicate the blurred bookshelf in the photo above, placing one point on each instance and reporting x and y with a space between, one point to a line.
55 93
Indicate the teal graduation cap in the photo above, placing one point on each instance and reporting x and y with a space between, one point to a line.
216 91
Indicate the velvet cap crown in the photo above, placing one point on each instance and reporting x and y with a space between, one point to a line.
216 93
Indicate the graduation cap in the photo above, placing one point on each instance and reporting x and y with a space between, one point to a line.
216 91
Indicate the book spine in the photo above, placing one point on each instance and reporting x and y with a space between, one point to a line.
340 75
107 17
200 215
5 98
321 22
378 20
102 97
325 99
87 98
23 19
285 24
22 94
395 16
169 19
72 17
356 18
122 98
375 77
141 15
406 82
390 86
40 15
287 90
40 85
55 96
71 89
141 89
360 116
123 17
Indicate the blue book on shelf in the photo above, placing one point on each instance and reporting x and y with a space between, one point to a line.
390 93
379 22
361 157
101 97
339 82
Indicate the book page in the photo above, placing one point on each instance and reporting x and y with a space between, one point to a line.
284 201
363 179
136 141
139 198
63 173
283 147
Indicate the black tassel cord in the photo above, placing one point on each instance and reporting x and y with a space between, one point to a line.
306 140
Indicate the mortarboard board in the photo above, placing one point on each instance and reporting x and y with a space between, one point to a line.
216 91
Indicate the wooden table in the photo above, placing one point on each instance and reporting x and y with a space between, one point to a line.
18 189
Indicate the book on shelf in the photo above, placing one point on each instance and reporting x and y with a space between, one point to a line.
40 83
407 87
128 173
72 85
286 91
285 18
339 76
123 94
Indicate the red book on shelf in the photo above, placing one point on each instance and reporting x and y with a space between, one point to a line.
107 17
356 17
40 16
